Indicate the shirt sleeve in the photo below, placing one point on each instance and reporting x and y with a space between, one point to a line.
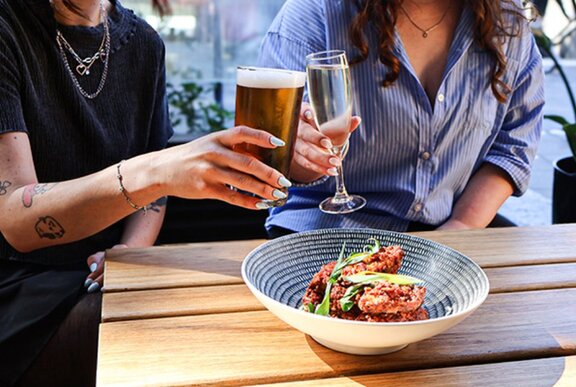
517 141
11 114
298 30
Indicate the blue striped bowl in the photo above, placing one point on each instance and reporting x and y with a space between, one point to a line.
279 271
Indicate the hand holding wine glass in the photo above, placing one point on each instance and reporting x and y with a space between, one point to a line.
330 97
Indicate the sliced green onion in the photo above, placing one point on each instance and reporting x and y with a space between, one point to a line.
347 302
324 308
371 276
372 249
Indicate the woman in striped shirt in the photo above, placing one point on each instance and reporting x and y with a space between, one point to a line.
450 93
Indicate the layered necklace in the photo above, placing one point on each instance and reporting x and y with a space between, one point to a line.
425 31
83 67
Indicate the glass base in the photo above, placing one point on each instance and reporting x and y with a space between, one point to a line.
338 206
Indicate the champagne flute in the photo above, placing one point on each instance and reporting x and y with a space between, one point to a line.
330 95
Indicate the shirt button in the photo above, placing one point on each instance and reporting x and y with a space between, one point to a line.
425 155
418 207
440 97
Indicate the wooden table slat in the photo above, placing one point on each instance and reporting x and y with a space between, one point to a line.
256 347
557 372
218 263
237 298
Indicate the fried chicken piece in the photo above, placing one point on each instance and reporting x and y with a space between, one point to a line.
385 297
315 291
415 315
386 260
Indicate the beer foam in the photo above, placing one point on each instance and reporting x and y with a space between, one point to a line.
268 78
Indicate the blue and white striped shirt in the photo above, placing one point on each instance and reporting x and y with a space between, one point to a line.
409 159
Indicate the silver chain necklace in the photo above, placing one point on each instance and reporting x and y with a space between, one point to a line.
84 65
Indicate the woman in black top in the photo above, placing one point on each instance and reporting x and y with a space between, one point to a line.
82 88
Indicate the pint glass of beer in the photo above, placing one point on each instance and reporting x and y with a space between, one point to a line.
269 99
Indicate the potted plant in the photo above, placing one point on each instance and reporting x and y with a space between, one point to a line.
564 185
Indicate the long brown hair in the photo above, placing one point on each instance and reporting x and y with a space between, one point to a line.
490 31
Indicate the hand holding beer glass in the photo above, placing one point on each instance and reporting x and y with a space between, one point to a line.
331 100
269 99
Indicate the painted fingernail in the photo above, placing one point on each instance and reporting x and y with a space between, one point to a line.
276 141
326 143
335 161
88 282
308 114
93 267
279 194
262 206
94 287
332 171
284 182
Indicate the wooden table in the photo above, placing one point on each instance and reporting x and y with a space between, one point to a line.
181 315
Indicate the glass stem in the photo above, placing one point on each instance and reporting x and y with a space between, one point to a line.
341 195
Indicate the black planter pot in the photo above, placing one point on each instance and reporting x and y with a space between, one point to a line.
564 195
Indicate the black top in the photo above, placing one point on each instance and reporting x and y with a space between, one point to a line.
72 136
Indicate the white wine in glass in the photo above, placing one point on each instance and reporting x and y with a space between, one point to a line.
330 95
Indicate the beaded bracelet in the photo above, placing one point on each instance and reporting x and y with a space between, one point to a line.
123 190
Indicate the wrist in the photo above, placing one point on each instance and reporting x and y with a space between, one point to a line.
139 180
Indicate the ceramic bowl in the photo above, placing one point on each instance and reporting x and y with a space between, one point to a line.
279 271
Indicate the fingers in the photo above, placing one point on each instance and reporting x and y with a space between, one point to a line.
248 183
96 264
355 123
315 159
245 170
237 198
312 150
244 134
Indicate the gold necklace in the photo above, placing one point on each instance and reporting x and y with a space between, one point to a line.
426 31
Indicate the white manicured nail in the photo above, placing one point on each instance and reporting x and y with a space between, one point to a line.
88 282
332 172
262 206
335 161
308 114
276 141
279 194
93 267
93 288
326 143
284 182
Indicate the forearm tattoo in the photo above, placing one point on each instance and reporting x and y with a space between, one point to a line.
33 190
4 187
48 227
156 206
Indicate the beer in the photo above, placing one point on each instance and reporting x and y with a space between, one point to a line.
269 99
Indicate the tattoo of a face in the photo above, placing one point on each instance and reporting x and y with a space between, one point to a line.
48 227
34 189
4 187
155 206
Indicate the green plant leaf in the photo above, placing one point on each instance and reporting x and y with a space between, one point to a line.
367 277
570 131
542 39
558 119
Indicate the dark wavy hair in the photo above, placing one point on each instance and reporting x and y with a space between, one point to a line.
491 28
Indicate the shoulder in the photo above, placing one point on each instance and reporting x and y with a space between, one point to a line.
140 31
519 47
298 17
